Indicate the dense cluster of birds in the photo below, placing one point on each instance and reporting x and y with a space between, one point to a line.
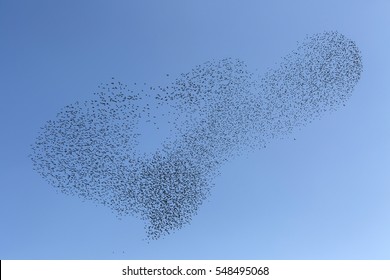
154 151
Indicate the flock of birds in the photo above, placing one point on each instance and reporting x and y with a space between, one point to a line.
153 152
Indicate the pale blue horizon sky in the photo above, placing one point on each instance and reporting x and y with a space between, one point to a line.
324 196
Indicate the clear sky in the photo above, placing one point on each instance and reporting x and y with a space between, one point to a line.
324 195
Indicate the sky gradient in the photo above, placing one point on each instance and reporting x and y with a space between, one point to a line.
323 195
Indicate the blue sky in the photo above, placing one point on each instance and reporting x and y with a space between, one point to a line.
323 196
